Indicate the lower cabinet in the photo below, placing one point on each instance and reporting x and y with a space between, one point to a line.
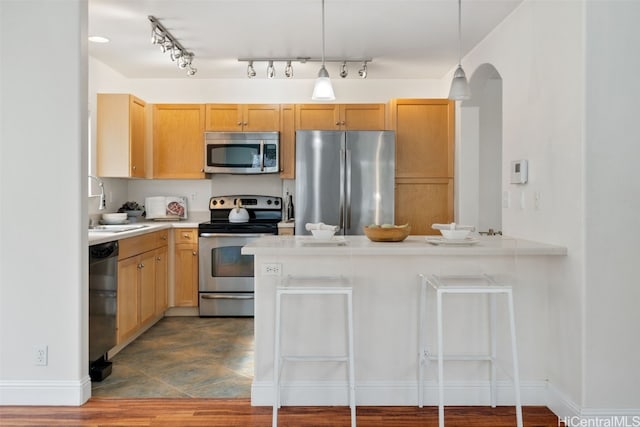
186 267
142 282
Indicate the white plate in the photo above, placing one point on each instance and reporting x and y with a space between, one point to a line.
434 240
312 241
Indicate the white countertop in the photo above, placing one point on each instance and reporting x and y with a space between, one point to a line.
195 218
412 245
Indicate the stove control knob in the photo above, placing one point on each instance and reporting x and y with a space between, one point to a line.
222 202
269 201
277 202
215 202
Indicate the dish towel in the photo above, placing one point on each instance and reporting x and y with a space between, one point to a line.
320 226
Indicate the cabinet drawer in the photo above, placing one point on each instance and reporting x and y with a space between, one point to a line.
185 235
139 244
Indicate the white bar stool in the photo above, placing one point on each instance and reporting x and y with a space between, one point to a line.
466 284
318 286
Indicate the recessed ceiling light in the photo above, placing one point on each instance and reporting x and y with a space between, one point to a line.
98 39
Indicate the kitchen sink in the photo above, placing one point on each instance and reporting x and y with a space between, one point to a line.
116 228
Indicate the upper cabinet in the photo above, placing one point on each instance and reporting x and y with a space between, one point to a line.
424 161
121 136
178 141
287 141
340 116
242 117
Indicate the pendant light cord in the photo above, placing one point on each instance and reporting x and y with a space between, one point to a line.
459 32
322 33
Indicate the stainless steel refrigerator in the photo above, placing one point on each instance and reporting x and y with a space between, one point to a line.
344 178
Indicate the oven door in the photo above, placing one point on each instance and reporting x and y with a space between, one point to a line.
226 276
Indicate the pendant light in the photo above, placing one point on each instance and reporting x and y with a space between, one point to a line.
323 91
459 85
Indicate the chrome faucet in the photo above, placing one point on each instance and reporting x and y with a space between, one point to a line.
103 203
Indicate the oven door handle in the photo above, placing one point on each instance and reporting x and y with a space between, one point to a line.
234 235
221 296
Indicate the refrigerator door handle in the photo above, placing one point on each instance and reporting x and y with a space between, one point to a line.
348 187
342 185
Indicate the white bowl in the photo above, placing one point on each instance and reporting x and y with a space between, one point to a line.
114 216
455 234
323 234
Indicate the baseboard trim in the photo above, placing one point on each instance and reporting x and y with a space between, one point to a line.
395 393
41 392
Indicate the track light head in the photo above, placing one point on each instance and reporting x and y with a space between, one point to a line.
362 72
251 72
288 70
343 70
271 71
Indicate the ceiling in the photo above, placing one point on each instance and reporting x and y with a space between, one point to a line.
404 38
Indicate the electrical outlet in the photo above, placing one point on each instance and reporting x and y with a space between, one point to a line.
271 269
40 355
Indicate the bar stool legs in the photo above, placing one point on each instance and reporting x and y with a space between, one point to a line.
482 284
313 286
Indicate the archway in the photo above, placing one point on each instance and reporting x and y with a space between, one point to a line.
479 152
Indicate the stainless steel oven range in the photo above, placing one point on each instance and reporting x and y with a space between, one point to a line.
225 275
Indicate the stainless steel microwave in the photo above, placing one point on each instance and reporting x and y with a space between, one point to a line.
242 152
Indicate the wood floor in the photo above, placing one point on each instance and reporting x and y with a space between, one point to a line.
238 412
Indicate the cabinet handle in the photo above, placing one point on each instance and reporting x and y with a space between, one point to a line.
338 123
158 259
134 168
245 124
342 123
194 253
164 237
186 236
140 266
239 123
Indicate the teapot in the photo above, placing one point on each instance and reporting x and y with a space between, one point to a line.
238 214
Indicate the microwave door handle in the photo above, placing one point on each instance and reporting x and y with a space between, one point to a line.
262 156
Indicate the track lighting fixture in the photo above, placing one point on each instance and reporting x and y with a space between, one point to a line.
271 72
362 72
288 70
168 43
343 70
251 72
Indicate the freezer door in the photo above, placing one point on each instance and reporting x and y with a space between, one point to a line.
319 157
370 159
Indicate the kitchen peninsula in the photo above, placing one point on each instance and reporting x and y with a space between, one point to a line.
385 280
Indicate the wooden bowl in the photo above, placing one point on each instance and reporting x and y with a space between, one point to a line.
395 234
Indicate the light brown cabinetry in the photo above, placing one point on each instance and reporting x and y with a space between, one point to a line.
287 142
142 282
340 116
242 117
178 143
424 161
186 267
121 136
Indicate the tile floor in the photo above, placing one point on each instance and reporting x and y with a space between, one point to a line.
184 357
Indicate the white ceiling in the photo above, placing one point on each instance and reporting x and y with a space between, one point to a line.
405 38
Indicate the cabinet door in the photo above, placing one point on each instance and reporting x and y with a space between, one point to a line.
223 117
147 277
424 137
317 117
161 269
120 135
178 142
362 116
128 318
137 123
186 275
261 117
287 142
423 202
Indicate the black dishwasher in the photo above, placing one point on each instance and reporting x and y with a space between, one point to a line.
103 287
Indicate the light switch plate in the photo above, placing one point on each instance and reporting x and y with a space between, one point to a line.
519 171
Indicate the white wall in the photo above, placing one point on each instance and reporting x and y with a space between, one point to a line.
43 204
538 52
612 203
